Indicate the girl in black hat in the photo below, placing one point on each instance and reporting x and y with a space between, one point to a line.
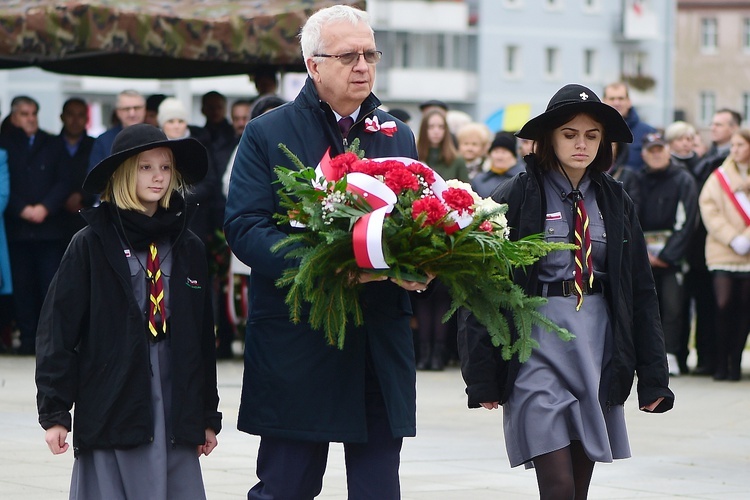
126 332
563 408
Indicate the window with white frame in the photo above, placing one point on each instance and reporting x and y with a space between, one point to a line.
591 5
746 34
746 104
707 107
429 50
551 62
589 63
512 61
634 63
709 35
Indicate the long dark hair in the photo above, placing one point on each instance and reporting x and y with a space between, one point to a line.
545 151
448 151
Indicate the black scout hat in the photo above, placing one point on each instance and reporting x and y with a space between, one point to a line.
573 99
433 102
190 157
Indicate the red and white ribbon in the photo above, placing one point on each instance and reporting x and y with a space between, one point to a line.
372 125
738 198
367 233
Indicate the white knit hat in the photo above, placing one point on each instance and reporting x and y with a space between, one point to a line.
170 109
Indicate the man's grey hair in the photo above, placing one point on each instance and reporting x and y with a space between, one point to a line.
129 93
22 99
311 35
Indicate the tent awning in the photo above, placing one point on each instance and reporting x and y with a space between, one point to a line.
155 39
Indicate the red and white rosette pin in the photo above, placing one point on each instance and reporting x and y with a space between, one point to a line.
373 125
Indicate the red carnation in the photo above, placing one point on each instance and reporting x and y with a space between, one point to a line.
368 167
430 205
458 199
400 180
486 226
422 171
341 164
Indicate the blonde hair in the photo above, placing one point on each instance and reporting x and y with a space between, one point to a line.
475 129
677 130
121 186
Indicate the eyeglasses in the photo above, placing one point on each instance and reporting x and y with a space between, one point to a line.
128 109
371 57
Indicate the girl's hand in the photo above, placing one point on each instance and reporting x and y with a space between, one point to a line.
368 277
211 443
653 405
491 406
414 286
55 438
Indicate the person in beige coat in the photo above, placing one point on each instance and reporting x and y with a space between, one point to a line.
725 208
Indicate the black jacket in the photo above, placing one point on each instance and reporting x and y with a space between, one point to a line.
75 169
37 176
92 346
629 290
669 202
295 385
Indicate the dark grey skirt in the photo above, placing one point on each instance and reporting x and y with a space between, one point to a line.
156 471
557 399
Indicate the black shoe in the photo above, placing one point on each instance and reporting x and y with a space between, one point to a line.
703 371
720 375
423 365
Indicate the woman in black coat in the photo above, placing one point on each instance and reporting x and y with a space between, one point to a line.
563 408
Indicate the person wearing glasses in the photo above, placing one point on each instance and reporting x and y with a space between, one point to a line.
299 393
130 109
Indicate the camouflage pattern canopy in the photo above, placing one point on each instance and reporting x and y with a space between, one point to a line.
153 38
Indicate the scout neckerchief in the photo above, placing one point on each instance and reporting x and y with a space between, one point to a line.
157 323
583 242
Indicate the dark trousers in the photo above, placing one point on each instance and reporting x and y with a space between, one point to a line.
434 335
670 291
33 264
732 322
699 288
293 470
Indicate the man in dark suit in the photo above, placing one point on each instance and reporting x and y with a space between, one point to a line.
75 147
299 393
33 219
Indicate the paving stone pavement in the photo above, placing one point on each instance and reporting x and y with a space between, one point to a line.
699 450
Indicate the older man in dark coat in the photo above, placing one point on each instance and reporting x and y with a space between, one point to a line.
299 393
34 218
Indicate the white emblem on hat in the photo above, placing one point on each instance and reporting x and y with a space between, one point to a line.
584 95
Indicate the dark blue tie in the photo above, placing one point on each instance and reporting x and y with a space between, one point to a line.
345 124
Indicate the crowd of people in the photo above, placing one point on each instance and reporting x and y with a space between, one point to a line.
663 249
42 178
664 172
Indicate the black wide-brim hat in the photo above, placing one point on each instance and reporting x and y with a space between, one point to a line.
190 156
571 100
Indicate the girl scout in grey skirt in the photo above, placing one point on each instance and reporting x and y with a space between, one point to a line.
126 332
563 409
